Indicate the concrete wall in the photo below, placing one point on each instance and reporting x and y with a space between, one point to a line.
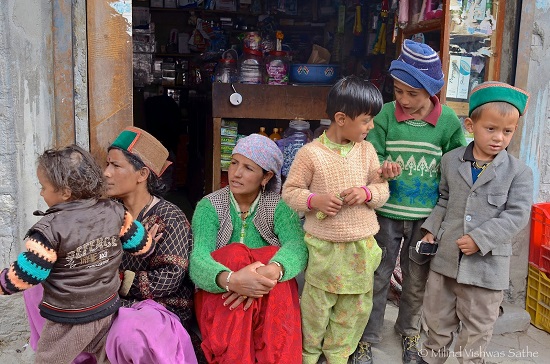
535 142
26 124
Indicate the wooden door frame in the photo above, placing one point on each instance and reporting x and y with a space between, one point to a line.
110 81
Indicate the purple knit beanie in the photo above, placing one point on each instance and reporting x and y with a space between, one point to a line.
265 153
418 66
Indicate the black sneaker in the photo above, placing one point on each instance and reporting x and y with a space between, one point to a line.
410 349
361 355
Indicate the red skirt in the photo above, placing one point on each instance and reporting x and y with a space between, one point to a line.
268 332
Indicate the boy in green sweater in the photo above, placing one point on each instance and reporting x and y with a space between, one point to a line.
410 136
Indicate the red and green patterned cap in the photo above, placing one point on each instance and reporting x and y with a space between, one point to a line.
145 146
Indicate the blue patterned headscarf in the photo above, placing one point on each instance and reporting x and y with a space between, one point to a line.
265 153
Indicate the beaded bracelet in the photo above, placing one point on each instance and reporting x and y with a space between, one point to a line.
227 281
368 193
308 202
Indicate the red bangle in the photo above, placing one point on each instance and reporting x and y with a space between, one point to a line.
308 202
368 193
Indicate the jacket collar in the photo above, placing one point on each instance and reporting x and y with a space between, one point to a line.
431 118
465 168
67 206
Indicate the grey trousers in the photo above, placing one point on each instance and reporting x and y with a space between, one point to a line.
450 304
415 268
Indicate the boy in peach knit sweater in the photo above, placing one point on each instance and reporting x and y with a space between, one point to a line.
335 181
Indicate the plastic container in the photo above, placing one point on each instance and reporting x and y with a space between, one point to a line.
252 40
539 240
226 71
324 125
295 136
323 74
250 67
537 302
262 131
277 68
275 135
299 126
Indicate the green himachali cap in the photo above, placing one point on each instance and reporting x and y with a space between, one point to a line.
498 92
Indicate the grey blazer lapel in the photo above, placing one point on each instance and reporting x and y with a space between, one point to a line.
465 171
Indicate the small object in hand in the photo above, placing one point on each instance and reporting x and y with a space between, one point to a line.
426 248
320 215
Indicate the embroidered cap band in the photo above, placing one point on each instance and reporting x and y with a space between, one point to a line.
145 146
492 91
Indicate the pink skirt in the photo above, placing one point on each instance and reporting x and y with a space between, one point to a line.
147 332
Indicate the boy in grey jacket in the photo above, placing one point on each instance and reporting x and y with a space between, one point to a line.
485 200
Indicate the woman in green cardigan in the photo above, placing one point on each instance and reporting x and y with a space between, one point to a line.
248 247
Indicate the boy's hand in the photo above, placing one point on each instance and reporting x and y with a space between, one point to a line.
429 237
467 245
389 170
354 196
330 205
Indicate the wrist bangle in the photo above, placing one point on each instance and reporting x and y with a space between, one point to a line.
308 202
368 193
227 281
281 272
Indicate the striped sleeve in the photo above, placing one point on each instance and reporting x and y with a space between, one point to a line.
31 267
135 239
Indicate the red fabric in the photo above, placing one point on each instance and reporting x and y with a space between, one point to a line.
268 332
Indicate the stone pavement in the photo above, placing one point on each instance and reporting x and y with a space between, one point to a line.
531 346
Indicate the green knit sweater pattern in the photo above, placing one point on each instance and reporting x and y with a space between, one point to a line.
418 147
204 269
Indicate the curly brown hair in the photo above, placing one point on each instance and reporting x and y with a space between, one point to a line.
74 168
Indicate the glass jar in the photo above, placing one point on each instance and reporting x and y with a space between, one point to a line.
277 68
250 66
226 71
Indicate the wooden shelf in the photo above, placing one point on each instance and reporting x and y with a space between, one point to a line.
201 10
259 102
423 26
176 55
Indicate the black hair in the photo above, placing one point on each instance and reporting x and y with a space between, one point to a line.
74 168
353 96
155 184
